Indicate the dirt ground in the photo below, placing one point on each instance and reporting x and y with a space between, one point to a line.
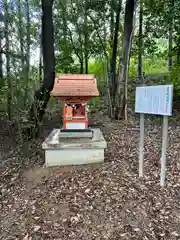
96 202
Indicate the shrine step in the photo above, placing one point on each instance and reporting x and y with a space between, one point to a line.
71 133
76 130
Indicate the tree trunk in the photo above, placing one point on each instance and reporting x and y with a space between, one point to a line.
27 56
40 59
40 68
170 37
104 41
79 52
170 47
111 23
114 54
42 95
178 56
85 38
21 41
140 43
9 92
121 91
81 66
20 33
1 56
86 65
65 66
28 39
1 64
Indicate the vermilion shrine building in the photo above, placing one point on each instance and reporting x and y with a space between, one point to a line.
74 143
75 90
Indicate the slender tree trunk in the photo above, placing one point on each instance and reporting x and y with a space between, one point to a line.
20 33
170 37
178 56
40 68
40 59
21 41
27 56
28 39
114 53
65 35
104 41
86 65
121 92
111 23
42 95
79 52
1 63
170 47
1 55
9 92
81 66
140 43
110 109
85 37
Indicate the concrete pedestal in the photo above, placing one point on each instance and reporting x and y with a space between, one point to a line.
67 151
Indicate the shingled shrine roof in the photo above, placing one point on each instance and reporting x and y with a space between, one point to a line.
75 85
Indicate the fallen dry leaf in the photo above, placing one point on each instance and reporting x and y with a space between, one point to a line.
94 202
37 228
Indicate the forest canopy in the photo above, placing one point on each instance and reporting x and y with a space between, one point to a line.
115 40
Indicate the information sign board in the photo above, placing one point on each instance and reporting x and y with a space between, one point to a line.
154 100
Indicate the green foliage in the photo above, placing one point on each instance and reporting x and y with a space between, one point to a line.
79 32
97 67
150 66
83 31
175 78
22 94
94 104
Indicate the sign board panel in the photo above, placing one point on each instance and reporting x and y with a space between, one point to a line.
154 100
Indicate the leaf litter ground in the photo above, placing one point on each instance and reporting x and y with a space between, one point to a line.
94 202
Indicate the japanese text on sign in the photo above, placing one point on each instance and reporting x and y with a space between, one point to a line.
154 100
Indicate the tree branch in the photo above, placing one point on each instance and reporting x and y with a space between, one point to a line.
100 39
12 54
75 50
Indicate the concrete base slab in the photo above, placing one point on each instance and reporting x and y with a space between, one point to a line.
59 151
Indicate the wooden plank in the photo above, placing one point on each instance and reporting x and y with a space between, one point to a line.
164 149
141 145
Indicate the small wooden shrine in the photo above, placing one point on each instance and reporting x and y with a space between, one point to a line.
75 90
75 143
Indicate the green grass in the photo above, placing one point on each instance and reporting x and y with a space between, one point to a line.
96 67
153 66
150 66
